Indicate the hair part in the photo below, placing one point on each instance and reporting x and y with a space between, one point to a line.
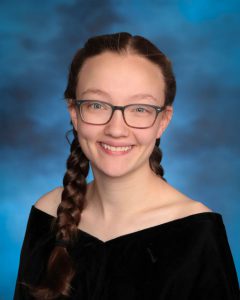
122 43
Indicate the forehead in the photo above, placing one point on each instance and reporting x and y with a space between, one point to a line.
121 75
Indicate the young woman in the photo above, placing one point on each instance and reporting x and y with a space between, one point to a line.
128 234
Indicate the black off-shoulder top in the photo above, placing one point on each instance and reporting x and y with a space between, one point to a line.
184 259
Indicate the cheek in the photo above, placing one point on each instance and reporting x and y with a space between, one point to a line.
86 135
87 132
147 141
147 136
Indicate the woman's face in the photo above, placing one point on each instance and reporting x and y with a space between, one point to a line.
119 80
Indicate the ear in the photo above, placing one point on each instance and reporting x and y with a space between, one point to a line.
165 119
74 115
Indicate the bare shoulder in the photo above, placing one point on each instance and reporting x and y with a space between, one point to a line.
194 207
184 205
49 202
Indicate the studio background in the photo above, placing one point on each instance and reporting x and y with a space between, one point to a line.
201 146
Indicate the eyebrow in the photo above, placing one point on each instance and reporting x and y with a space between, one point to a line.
103 93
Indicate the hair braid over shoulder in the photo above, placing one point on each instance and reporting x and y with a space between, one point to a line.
75 187
60 270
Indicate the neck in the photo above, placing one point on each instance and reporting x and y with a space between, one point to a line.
121 197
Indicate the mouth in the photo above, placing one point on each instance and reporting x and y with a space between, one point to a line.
116 149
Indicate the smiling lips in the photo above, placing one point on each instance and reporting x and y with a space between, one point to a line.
122 149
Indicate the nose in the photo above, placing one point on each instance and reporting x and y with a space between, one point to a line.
117 127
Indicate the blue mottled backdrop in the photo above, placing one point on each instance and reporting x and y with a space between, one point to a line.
201 146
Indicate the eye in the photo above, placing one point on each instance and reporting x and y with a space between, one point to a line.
96 105
142 109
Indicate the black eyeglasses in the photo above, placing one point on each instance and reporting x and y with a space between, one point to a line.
135 115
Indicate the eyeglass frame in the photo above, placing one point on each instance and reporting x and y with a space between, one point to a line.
158 109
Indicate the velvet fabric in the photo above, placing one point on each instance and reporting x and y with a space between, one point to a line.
187 258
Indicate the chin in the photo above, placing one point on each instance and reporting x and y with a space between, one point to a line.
116 171
111 173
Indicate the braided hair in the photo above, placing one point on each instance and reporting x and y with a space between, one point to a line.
60 269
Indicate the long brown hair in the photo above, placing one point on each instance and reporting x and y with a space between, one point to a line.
60 270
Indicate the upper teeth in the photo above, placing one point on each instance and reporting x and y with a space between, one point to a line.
116 148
